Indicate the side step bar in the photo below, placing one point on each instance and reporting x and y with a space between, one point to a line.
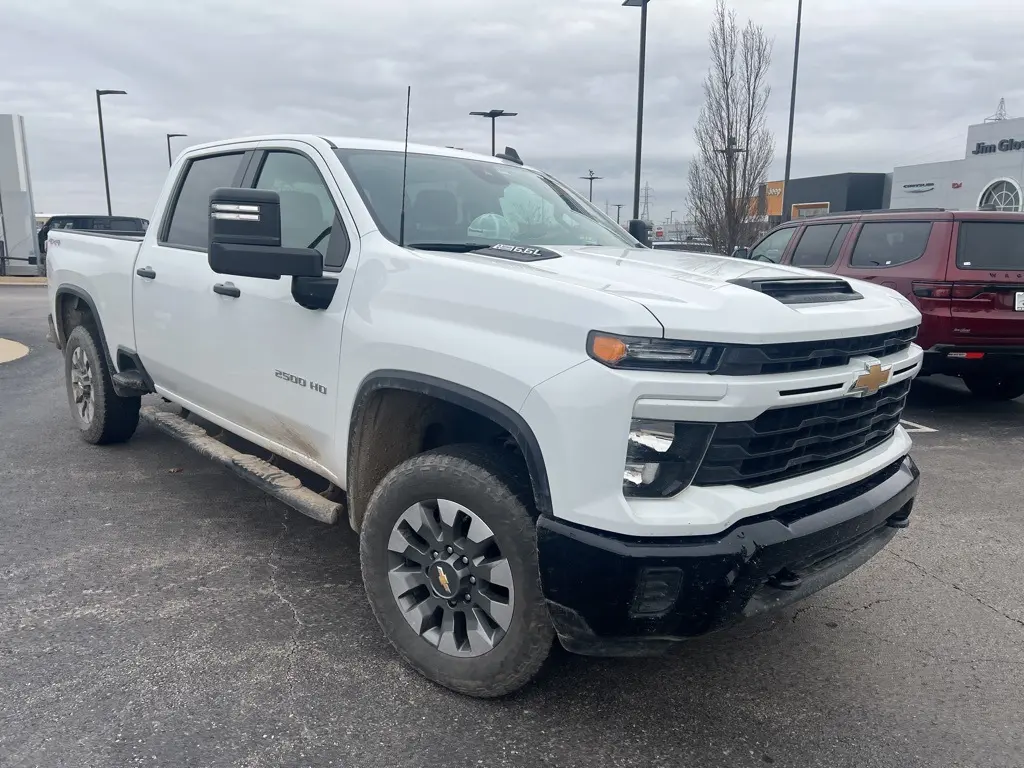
282 486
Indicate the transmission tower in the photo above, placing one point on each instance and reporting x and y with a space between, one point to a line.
1000 114
645 213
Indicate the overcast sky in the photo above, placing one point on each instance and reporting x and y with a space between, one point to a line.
882 82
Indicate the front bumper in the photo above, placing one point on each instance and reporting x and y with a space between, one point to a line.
613 595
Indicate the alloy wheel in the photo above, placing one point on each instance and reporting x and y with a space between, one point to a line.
82 385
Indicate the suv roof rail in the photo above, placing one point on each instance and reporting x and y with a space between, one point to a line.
879 210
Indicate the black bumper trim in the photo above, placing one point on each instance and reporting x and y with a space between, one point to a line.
997 358
590 578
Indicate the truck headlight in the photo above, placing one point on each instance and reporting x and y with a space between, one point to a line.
649 354
663 456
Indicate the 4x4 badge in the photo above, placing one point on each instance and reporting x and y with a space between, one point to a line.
872 380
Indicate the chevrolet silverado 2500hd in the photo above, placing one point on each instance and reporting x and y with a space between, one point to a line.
538 427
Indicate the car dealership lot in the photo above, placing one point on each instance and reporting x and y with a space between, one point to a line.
156 610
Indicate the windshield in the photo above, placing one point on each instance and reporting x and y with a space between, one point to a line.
454 200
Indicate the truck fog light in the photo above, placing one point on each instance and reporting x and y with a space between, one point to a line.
640 474
662 457
657 590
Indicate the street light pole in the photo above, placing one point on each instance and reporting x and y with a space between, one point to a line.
591 178
642 4
618 211
792 111
103 142
494 114
170 158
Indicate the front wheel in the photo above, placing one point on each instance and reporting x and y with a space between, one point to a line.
102 416
995 386
449 559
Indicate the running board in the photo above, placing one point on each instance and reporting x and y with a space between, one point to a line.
282 486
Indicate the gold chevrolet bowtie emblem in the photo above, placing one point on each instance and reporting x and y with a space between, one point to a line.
443 580
872 380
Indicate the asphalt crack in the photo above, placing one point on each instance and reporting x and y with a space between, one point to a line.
275 588
958 588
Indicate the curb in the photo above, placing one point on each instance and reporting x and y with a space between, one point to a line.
23 281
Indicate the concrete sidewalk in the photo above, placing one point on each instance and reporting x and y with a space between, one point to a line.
22 280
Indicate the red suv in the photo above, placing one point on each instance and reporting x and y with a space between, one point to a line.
963 269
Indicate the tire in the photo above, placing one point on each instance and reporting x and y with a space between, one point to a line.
41 266
102 417
994 386
489 487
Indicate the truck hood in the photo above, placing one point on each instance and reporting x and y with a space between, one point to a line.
704 297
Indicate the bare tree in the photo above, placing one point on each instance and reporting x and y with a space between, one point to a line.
734 146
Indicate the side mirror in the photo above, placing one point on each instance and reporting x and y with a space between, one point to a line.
245 237
640 231
741 253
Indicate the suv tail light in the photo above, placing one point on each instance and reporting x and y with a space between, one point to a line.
949 290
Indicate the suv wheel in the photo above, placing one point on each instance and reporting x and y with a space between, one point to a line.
101 415
449 559
994 386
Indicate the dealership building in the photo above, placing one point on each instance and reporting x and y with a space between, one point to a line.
990 176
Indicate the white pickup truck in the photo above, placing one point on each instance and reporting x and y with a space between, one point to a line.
537 426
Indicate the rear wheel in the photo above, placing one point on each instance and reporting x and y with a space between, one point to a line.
100 414
449 559
994 386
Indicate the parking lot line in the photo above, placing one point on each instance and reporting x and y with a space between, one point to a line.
912 427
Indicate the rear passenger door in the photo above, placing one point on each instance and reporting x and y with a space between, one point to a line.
819 246
173 305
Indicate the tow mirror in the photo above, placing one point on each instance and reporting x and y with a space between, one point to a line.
640 231
741 253
245 237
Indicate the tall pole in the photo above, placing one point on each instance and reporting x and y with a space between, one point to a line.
618 211
792 112
494 143
494 114
103 142
640 108
591 178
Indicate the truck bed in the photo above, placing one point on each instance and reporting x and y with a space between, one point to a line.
102 266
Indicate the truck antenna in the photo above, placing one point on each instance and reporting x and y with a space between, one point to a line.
405 165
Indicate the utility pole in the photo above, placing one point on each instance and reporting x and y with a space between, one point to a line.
730 152
645 213
618 211
591 178
792 111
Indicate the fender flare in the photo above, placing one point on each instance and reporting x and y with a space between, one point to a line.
471 400
62 339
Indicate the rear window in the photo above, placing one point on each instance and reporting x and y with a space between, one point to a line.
890 243
990 245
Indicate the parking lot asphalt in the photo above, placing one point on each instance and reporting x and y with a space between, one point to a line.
155 610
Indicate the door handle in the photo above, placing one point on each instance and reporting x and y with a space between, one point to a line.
146 272
226 289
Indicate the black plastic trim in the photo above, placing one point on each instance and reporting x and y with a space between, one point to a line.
136 365
71 290
590 577
471 400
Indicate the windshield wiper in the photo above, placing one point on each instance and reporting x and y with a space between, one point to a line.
449 247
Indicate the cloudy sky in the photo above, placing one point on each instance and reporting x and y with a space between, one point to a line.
882 82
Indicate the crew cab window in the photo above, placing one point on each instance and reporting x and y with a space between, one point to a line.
890 243
773 246
189 220
819 245
308 217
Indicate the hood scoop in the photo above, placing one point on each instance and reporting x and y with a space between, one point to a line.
801 290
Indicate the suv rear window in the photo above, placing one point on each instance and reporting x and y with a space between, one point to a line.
990 245
890 243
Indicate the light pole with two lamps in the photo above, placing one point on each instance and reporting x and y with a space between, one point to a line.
493 115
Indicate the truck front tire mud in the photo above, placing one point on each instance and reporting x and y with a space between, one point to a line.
449 561
101 416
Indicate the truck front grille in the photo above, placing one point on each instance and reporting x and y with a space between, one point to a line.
810 355
787 442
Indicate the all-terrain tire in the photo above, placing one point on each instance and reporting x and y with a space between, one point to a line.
494 485
996 387
112 419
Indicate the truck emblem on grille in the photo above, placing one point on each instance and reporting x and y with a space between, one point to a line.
872 380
